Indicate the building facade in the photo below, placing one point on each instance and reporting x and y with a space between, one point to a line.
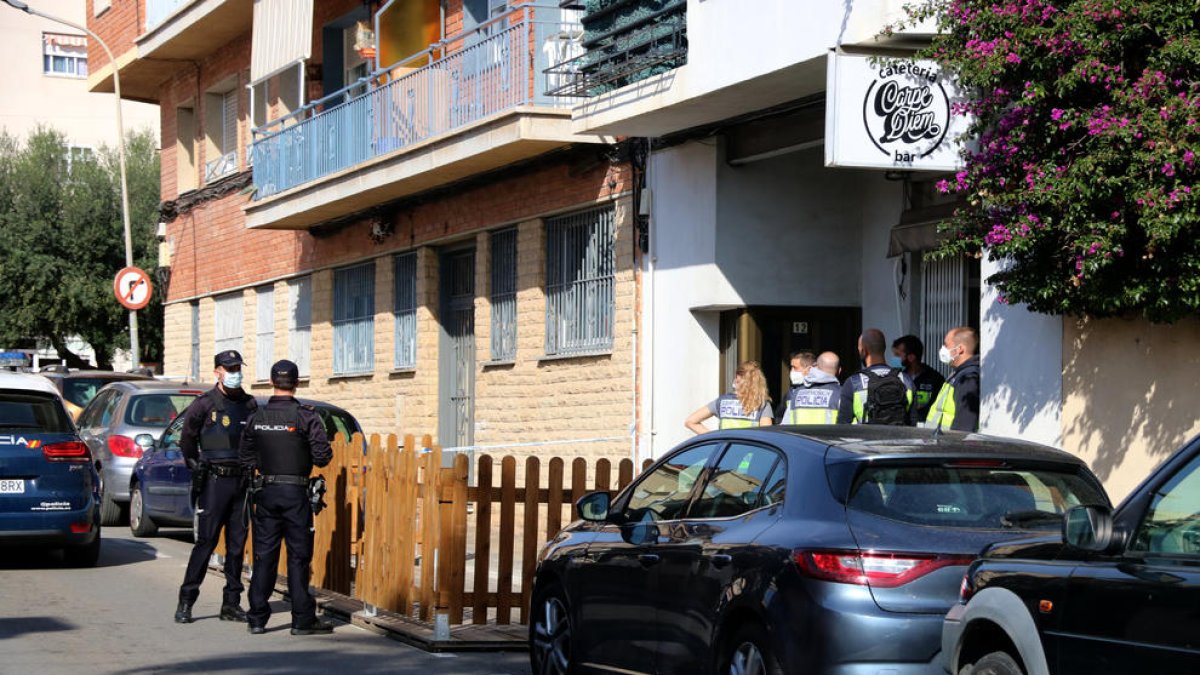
383 193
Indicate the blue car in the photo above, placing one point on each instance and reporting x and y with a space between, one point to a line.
49 489
161 484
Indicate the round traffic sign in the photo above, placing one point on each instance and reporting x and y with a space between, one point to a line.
132 287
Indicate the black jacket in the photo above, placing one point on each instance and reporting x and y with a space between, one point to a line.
199 415
310 424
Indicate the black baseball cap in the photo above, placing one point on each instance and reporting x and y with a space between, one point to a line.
285 374
227 358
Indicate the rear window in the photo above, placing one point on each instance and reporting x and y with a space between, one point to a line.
972 497
28 412
81 390
156 410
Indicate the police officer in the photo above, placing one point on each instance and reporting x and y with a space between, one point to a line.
212 429
283 441
747 405
801 362
817 400
957 404
855 405
909 352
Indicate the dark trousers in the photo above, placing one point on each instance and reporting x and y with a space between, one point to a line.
282 512
222 505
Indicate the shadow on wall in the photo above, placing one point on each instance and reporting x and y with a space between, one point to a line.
1025 392
1129 390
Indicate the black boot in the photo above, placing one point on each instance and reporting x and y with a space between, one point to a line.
317 626
233 613
183 613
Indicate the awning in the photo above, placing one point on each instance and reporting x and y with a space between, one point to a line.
282 35
917 229
63 40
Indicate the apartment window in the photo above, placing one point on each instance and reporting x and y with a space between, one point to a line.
354 319
949 298
579 282
64 55
221 121
195 362
405 267
100 6
77 154
300 323
228 319
264 352
503 248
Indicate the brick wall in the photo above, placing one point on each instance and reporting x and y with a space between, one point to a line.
118 27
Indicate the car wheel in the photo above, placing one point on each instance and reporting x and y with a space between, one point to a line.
140 524
110 511
83 556
749 653
550 636
997 663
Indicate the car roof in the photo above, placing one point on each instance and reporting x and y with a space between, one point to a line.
159 386
98 374
28 382
873 441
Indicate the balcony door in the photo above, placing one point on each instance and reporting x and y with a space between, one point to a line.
456 348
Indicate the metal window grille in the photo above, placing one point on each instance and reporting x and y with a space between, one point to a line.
405 309
228 317
943 303
264 353
504 294
195 367
354 319
579 282
300 323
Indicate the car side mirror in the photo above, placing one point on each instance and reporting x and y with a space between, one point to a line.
144 441
1088 528
593 507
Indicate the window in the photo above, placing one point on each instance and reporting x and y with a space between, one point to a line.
221 128
504 294
264 353
747 477
100 6
64 55
949 298
33 411
156 410
300 323
195 361
354 319
579 282
228 319
1172 525
405 309
664 493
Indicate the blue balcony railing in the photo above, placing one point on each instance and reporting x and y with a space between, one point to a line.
157 11
465 79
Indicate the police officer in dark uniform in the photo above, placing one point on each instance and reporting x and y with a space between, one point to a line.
212 430
283 441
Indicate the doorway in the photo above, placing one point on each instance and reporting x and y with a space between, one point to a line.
456 349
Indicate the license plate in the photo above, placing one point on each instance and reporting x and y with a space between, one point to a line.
12 487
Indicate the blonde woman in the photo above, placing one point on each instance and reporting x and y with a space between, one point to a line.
748 405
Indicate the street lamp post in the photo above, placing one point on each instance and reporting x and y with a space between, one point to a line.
133 326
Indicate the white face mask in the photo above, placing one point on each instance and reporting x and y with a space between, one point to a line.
945 356
894 361
797 378
233 380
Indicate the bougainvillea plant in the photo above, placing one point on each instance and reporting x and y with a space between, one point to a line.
1083 170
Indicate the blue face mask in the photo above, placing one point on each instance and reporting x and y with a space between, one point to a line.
894 361
233 380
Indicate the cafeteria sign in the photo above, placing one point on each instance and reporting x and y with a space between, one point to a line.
889 113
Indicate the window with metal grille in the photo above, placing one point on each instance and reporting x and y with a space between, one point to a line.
504 294
300 323
579 282
221 127
949 298
195 363
228 323
264 352
354 319
405 309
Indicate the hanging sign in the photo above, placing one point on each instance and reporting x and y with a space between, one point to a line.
890 114
132 287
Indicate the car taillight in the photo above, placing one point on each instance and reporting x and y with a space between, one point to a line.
872 568
69 451
123 446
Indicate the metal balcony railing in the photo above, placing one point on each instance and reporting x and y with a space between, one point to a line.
624 41
465 79
157 11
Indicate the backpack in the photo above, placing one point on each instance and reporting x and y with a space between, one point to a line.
887 399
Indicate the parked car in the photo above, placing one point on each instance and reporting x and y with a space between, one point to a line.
160 486
49 489
111 422
790 549
1114 592
79 387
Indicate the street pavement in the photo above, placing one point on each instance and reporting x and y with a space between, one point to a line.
117 619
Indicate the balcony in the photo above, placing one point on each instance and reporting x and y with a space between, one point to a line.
466 105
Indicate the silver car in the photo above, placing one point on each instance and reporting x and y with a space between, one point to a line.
111 422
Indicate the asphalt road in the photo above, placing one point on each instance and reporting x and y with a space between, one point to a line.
117 618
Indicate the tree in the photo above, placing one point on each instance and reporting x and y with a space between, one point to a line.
1083 172
62 242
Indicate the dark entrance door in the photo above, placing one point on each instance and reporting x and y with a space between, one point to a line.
456 349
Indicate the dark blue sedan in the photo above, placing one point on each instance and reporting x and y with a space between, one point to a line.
161 484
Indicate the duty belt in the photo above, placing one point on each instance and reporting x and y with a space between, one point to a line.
224 470
285 479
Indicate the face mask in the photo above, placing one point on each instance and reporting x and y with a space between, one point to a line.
945 356
894 361
233 380
797 378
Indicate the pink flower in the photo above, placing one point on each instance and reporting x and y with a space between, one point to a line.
1012 58
1168 169
1056 114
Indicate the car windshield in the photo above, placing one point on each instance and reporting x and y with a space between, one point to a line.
31 412
972 496
156 410
81 390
